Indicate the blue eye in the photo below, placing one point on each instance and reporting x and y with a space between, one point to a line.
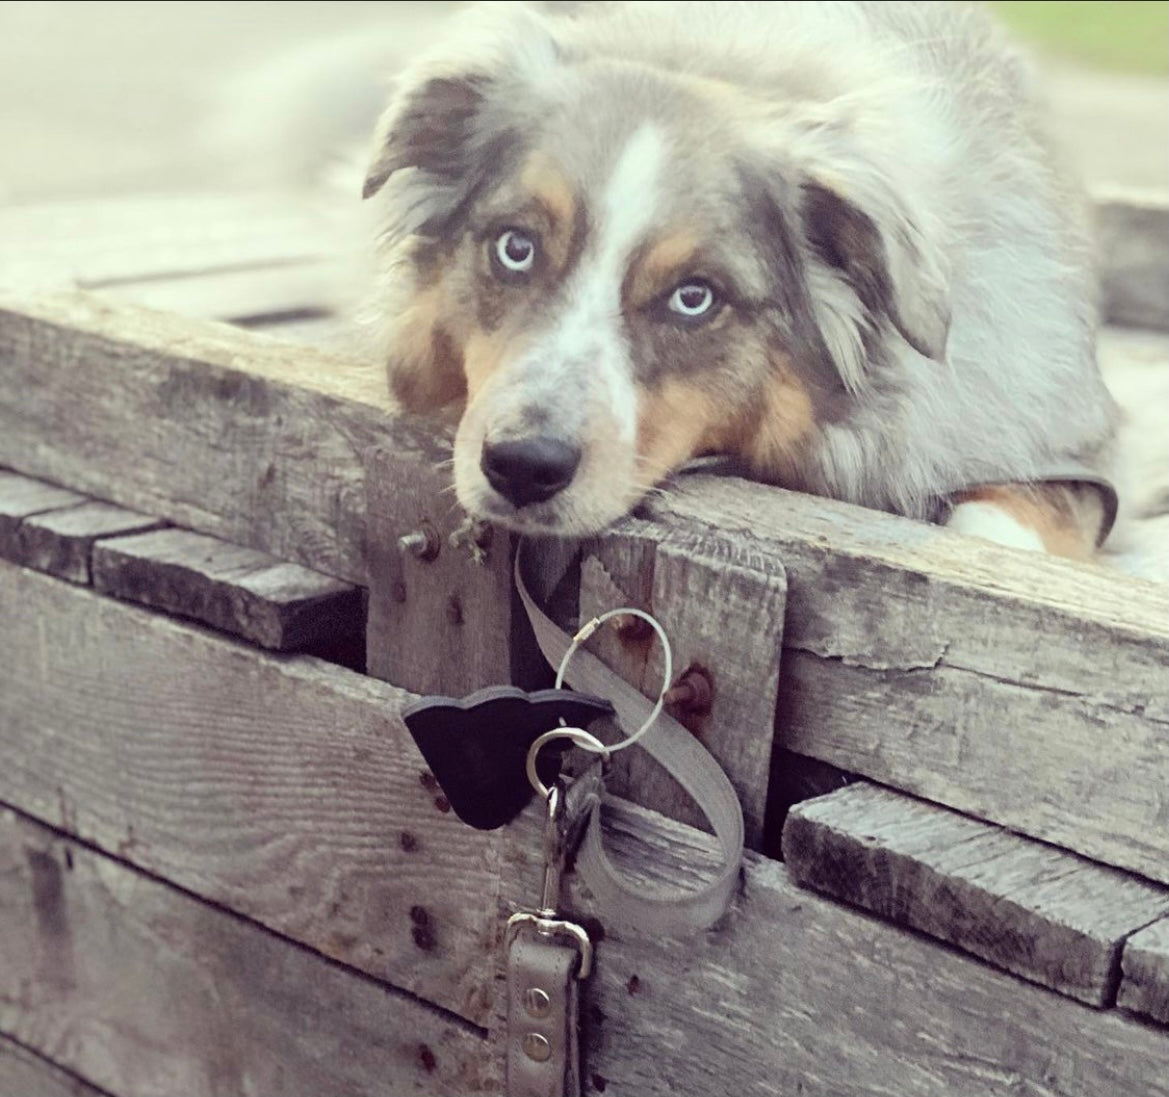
515 251
692 300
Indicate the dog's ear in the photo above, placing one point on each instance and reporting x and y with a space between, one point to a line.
430 127
884 256
456 114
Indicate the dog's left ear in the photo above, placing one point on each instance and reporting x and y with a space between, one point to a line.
883 254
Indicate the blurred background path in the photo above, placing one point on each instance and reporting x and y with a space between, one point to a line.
102 98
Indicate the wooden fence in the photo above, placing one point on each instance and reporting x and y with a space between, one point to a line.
225 869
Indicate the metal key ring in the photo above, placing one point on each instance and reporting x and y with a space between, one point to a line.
577 736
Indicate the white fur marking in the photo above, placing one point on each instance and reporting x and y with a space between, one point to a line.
592 325
991 523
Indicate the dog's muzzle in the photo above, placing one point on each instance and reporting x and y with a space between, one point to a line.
529 470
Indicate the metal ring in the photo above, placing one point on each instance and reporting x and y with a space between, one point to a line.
577 736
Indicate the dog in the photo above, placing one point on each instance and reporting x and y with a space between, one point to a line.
829 240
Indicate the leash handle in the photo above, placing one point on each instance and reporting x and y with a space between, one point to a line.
661 910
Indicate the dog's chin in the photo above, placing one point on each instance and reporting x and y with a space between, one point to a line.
558 517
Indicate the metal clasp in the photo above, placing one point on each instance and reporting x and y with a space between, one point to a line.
546 920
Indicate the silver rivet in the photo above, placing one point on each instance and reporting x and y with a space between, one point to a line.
536 1047
537 1003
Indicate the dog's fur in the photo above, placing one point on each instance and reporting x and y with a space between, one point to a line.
907 305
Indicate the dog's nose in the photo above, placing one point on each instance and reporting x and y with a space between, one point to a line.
529 470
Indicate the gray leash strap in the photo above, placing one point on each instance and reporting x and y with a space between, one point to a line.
665 911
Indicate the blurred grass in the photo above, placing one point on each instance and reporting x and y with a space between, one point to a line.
1122 35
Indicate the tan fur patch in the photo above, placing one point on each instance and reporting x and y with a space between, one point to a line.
426 372
784 428
547 185
661 268
1067 519
482 355
677 420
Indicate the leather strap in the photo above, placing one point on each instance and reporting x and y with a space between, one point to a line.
543 1052
669 911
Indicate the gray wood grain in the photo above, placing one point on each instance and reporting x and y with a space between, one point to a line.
708 594
25 1074
1132 234
60 542
277 786
144 989
796 993
216 429
1022 905
281 606
440 616
21 497
1023 689
1145 985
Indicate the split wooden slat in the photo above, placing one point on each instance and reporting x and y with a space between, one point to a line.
707 594
280 606
796 993
27 1074
277 786
20 498
1144 987
143 989
61 542
1047 915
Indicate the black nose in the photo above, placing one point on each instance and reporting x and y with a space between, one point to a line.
529 470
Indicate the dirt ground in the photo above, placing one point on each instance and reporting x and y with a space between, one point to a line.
103 98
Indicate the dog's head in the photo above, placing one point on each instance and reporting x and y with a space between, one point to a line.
606 270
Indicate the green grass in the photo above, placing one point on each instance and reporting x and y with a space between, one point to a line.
1122 35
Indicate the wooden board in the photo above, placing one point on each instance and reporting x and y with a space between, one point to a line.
1132 229
277 786
440 612
794 993
708 594
143 989
26 1074
217 429
124 240
1021 905
1026 690
60 542
1145 986
20 498
284 607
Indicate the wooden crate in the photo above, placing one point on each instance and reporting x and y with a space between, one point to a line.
224 867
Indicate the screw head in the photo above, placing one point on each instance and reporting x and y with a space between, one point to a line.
536 1002
536 1047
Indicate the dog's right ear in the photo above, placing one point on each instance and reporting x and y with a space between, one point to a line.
431 127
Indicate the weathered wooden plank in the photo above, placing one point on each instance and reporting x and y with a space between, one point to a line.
288 289
105 242
25 1074
440 603
1132 232
795 993
1023 689
1144 987
708 594
214 428
281 606
277 786
60 542
1050 916
143 989
20 498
